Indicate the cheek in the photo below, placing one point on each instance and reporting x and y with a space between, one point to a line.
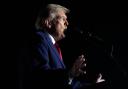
60 26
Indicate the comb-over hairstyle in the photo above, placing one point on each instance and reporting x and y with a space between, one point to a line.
50 12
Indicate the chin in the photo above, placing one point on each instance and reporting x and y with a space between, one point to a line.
61 37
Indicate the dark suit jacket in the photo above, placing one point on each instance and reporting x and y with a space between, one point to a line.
47 69
46 53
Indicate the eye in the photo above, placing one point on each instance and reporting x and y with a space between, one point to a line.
61 18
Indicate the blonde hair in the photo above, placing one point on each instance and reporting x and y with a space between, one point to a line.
50 12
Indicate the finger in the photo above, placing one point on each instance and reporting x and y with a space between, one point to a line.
79 64
83 65
80 59
100 76
78 72
100 80
82 72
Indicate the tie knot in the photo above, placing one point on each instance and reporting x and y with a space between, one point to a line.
56 45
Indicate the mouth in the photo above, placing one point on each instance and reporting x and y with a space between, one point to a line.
66 27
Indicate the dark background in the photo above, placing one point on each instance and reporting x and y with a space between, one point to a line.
104 20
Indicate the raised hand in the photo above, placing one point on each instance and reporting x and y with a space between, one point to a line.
76 70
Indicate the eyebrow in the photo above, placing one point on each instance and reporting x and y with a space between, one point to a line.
62 17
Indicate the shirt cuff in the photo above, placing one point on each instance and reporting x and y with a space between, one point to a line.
70 80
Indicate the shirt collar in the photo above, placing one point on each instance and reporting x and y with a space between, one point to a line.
52 39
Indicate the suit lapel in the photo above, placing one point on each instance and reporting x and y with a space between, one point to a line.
53 49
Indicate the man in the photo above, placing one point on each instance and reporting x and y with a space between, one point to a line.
48 69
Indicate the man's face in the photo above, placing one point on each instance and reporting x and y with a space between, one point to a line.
60 25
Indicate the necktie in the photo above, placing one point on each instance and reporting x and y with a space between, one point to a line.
58 49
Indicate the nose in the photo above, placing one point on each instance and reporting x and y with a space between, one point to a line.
66 23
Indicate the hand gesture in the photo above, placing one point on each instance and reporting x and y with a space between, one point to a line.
76 70
100 79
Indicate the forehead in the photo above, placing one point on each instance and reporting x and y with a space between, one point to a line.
61 14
